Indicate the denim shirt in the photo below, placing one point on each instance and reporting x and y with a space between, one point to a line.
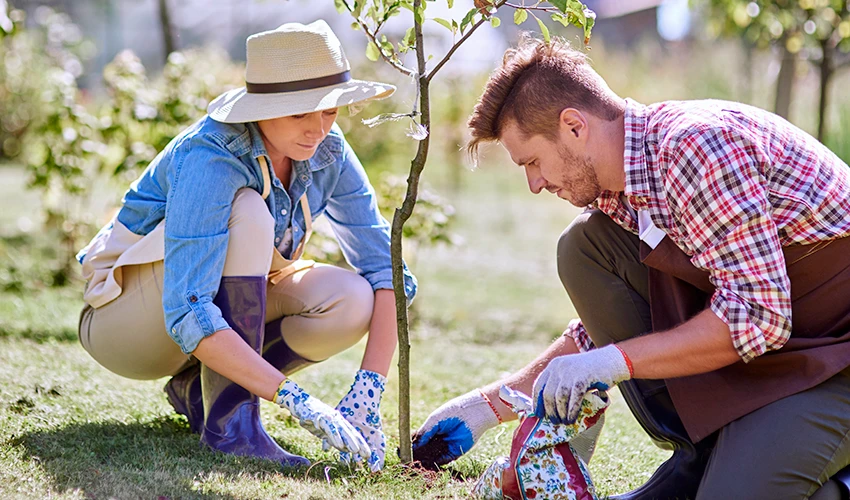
192 183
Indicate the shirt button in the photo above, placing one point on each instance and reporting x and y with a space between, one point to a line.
173 330
277 240
193 299
283 212
295 230
304 178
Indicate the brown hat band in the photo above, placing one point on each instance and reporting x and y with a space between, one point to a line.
311 83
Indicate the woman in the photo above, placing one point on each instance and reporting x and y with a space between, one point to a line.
199 275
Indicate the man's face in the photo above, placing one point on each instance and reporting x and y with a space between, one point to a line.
553 166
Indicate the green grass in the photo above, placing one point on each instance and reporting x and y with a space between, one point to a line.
71 429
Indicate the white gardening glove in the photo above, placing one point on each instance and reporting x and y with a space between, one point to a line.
321 420
453 429
561 386
361 407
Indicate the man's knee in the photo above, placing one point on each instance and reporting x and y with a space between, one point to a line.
579 243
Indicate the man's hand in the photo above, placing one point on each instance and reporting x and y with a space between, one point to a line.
321 420
361 408
560 388
453 429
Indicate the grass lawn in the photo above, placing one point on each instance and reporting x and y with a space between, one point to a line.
71 429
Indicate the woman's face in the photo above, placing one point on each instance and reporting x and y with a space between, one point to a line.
297 136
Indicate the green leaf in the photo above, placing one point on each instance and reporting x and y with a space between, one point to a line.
410 37
372 52
588 26
495 22
468 18
560 4
560 18
578 11
520 15
544 30
443 22
451 3
340 6
419 14
355 26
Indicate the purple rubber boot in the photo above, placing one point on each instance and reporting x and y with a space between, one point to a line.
231 422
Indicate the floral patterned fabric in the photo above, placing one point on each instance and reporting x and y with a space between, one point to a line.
542 464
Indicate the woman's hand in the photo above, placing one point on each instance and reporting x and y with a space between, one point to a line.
321 420
361 408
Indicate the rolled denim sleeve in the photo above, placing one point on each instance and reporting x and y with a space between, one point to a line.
202 184
362 232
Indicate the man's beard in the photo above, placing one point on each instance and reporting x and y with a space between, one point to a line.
583 186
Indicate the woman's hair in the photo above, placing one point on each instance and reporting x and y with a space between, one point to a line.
534 83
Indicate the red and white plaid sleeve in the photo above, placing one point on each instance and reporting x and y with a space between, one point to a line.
716 191
575 330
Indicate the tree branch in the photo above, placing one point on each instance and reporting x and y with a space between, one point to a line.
534 7
373 38
457 44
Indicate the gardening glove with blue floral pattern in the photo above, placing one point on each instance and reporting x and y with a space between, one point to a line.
453 429
561 386
361 407
321 420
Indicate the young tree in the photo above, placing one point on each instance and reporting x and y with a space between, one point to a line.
371 16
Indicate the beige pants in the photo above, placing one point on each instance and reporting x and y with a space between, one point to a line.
325 309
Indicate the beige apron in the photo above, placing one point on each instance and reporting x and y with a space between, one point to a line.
282 267
112 250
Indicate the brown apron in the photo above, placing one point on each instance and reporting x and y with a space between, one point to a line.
818 349
281 267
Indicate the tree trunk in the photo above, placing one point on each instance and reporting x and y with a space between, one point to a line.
169 39
785 83
401 216
827 69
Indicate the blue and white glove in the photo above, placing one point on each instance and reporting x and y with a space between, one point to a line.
361 407
321 420
453 429
561 386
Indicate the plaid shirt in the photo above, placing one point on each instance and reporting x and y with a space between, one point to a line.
731 185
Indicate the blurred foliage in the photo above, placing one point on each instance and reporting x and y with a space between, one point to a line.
430 224
801 24
51 48
815 30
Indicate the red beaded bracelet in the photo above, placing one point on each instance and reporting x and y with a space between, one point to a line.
628 361
491 405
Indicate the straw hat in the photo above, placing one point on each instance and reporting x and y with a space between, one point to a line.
292 70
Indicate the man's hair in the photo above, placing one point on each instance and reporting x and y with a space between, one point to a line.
534 83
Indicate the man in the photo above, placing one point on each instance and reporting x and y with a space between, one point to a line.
710 223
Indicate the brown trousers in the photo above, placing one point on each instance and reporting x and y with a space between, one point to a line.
785 449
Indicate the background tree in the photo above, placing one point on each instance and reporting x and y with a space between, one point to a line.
816 30
371 17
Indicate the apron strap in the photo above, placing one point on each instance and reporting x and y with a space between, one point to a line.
308 222
267 180
308 219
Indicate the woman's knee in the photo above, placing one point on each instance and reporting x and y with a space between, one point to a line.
356 305
251 228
